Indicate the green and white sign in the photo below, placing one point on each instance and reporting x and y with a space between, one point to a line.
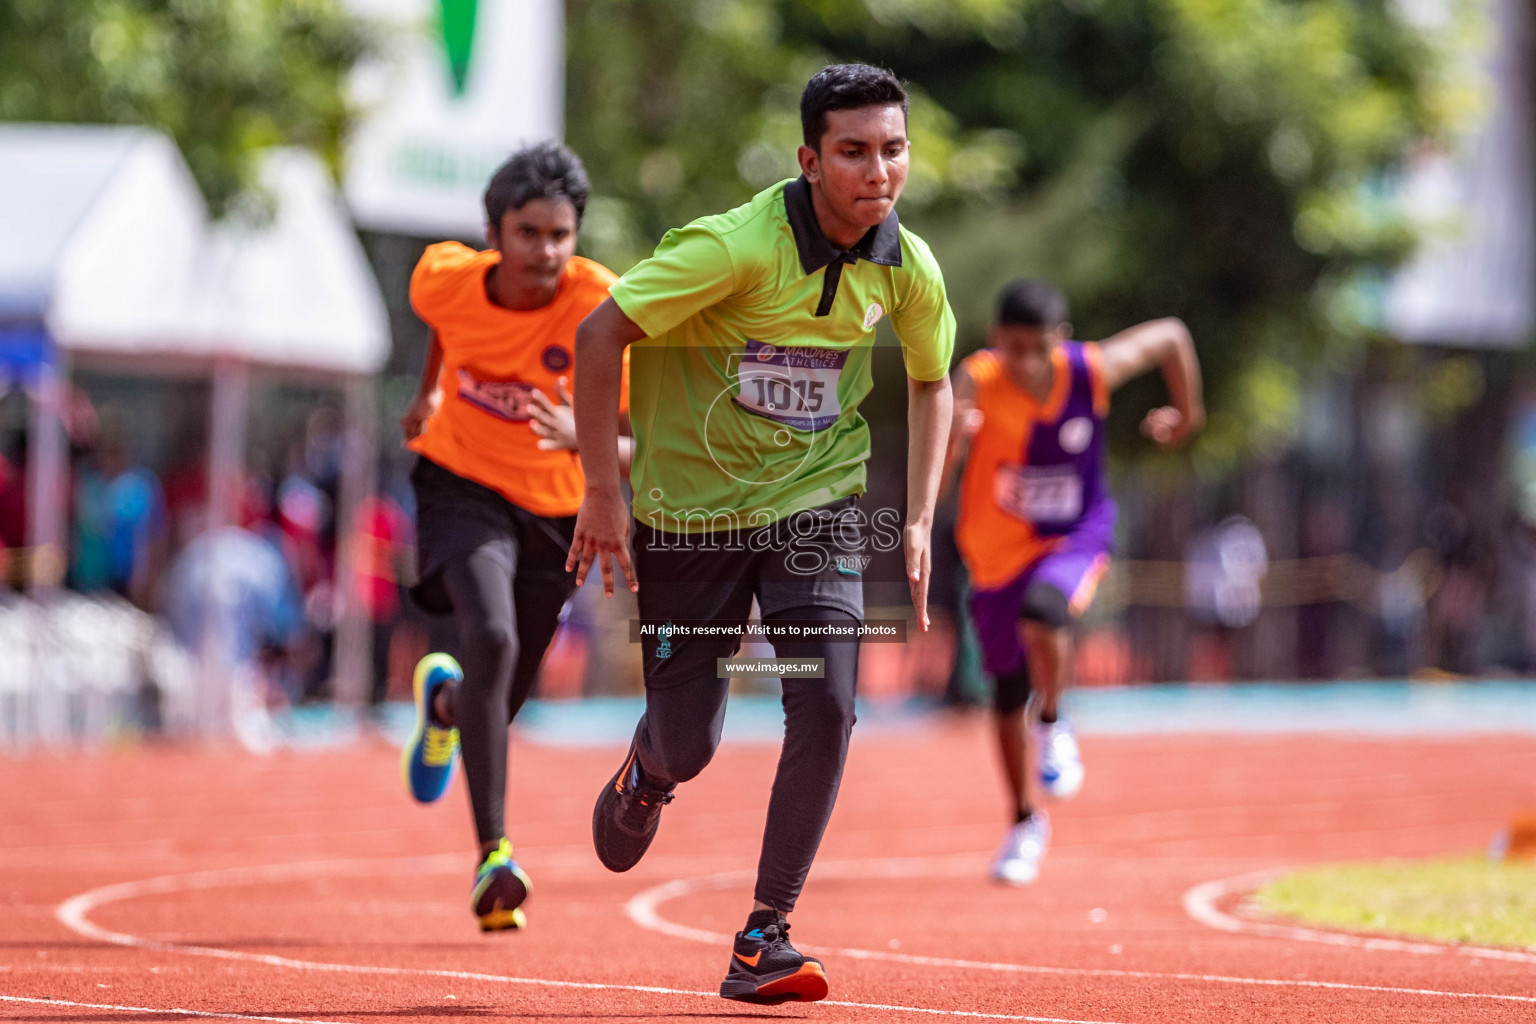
466 83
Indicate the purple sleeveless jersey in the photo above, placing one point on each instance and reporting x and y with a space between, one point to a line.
1064 463
1061 489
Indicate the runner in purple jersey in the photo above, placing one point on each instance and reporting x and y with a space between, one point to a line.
1036 520
1063 456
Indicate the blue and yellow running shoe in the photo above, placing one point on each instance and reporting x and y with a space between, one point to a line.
500 889
426 763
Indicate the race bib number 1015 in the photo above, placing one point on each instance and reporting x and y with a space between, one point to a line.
795 385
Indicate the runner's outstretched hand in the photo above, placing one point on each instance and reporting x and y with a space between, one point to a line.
554 423
602 529
917 541
1167 426
417 413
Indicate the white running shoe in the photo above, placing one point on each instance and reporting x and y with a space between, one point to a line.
1018 859
1060 762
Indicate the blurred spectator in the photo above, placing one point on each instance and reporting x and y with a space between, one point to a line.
186 492
305 517
13 508
382 555
1224 570
230 598
186 495
1457 620
324 447
233 581
120 524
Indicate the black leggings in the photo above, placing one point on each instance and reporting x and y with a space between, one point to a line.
681 727
505 622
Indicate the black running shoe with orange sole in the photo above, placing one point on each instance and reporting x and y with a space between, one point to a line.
625 817
766 969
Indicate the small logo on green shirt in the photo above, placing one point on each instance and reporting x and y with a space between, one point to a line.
872 315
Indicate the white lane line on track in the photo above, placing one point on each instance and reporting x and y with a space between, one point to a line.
73 914
162 1009
645 911
1201 901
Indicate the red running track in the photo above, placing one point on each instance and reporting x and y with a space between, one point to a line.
165 885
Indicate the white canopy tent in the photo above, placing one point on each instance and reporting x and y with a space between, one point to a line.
100 233
108 257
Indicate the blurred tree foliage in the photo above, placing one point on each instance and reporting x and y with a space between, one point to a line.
226 78
1228 161
687 107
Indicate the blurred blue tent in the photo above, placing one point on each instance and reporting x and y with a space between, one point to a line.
108 260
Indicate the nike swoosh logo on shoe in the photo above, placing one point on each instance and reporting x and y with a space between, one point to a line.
618 783
750 961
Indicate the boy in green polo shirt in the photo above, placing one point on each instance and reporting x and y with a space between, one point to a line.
752 334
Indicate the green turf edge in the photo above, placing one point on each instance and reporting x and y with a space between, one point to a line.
1462 899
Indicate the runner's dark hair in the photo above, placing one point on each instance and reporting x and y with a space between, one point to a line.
846 87
1031 302
547 170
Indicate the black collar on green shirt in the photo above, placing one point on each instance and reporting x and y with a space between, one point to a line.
881 244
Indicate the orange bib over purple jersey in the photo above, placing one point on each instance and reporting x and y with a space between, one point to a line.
1036 470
